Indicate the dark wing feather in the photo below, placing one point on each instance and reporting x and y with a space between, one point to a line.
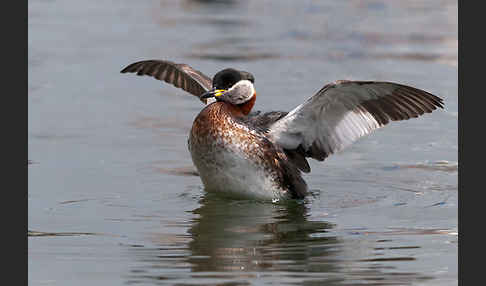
262 122
343 111
179 75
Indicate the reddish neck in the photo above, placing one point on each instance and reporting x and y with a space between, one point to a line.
246 107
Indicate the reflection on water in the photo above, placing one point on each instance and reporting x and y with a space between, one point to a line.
255 236
238 242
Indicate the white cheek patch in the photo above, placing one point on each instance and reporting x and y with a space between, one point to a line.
241 92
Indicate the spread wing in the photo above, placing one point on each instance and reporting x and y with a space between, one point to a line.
179 75
342 112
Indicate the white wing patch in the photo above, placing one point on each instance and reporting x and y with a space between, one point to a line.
344 111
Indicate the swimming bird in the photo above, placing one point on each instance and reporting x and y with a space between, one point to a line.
262 155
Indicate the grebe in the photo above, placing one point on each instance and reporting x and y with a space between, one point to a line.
262 155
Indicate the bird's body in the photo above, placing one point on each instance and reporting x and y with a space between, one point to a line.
262 155
234 157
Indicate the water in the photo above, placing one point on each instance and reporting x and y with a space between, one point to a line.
113 199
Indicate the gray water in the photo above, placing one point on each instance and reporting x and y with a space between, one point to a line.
113 199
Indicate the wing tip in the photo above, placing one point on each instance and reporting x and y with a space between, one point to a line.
439 102
134 67
125 69
129 68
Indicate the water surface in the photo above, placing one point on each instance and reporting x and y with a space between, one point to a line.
113 196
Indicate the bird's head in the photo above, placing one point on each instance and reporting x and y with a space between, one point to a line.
232 86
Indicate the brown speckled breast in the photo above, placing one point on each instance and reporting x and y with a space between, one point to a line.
222 145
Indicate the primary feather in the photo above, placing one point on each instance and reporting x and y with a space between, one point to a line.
179 75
